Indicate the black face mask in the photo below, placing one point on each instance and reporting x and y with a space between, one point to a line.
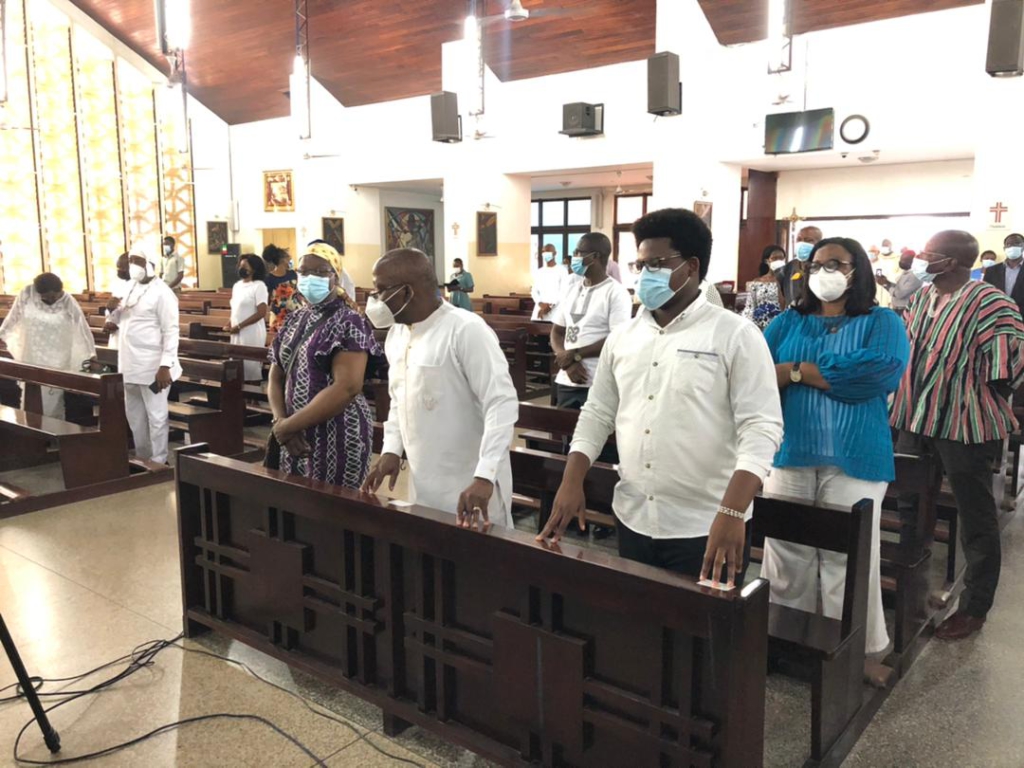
122 274
244 273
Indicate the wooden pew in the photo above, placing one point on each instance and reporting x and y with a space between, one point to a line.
513 341
522 653
94 459
539 356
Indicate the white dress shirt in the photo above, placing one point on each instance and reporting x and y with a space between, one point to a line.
712 294
148 332
588 315
548 287
453 409
348 284
690 404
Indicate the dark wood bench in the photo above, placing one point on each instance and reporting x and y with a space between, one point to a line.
513 342
522 653
540 358
833 647
93 458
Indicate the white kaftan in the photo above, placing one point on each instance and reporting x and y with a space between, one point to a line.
245 299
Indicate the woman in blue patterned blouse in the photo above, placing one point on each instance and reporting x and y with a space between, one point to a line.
838 357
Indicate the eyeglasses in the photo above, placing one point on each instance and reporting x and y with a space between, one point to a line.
322 272
829 266
657 263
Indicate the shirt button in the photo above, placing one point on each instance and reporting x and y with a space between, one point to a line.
655 365
647 431
650 397
661 333
650 498
648 466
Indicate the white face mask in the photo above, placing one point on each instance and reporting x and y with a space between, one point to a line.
136 273
775 266
988 263
829 286
886 251
920 269
380 314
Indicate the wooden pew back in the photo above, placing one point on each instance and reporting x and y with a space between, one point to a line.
517 651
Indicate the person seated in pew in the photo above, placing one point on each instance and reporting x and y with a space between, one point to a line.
117 292
460 286
689 390
47 327
248 326
838 356
453 404
966 360
588 313
322 424
147 354
282 282
347 283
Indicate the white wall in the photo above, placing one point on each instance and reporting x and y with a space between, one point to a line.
874 190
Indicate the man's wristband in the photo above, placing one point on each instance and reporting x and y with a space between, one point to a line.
732 513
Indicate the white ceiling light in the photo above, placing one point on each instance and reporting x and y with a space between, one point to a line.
473 41
780 36
3 52
173 25
516 12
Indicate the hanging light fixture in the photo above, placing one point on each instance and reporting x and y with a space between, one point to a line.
173 25
780 36
174 31
299 85
473 38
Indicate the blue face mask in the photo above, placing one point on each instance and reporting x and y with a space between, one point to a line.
549 256
314 288
1014 253
653 287
803 251
578 266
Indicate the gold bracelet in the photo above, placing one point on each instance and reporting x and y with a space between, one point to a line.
732 513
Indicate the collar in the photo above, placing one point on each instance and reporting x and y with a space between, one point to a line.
694 309
433 318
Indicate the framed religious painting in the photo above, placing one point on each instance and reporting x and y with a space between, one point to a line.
486 233
333 232
703 209
278 192
409 228
216 236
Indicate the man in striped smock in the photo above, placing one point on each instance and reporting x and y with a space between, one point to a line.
966 359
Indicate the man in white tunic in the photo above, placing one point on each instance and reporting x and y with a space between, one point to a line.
549 283
147 356
117 292
453 404
47 327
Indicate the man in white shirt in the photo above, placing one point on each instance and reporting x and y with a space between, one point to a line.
548 285
117 292
689 390
589 311
453 404
172 266
346 280
147 355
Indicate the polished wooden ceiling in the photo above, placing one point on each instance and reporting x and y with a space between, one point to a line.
744 21
368 51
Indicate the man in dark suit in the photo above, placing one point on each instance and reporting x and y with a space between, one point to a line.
1006 276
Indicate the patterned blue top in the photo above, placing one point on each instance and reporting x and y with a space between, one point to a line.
862 358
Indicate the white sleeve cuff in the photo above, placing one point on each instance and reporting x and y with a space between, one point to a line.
754 466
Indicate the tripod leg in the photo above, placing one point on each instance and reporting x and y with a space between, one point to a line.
50 736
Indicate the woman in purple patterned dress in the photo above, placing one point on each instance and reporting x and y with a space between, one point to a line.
322 422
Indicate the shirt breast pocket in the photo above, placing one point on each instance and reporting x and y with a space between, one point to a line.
695 371
425 379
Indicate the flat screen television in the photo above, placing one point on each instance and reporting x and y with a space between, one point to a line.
793 132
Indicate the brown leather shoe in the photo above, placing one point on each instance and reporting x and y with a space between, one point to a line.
959 626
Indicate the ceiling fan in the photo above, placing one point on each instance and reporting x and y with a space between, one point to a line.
517 12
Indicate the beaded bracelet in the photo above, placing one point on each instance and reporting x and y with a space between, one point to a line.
732 513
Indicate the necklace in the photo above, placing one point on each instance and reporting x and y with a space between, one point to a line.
834 322
127 301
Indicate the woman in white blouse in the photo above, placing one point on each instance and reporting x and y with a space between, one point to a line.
249 311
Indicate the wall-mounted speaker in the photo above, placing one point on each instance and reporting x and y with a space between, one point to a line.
664 90
444 117
1006 39
582 119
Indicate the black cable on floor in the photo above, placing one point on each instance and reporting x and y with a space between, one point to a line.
144 655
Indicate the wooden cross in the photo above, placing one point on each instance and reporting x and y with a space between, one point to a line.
999 209
455 229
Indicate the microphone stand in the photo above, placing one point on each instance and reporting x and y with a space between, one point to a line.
50 736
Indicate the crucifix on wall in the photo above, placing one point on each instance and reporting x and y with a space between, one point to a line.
455 229
998 211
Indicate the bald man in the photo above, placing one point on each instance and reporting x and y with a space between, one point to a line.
966 359
453 404
793 279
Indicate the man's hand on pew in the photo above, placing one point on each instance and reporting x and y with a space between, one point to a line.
570 502
109 327
726 540
163 377
472 511
113 303
387 466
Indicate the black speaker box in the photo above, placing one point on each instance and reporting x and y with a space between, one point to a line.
444 116
582 119
1006 39
664 91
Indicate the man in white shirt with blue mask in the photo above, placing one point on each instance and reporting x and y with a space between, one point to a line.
690 392
793 277
1006 276
549 283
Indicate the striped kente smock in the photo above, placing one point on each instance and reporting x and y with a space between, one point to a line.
976 339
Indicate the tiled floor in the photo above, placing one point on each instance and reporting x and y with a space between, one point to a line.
80 586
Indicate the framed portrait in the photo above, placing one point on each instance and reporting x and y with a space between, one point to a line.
703 209
486 233
278 192
216 236
409 228
333 231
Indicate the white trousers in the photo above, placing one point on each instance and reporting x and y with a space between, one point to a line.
797 572
147 417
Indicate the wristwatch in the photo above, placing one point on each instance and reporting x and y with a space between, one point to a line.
578 357
794 375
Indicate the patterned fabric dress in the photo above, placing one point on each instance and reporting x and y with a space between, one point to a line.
762 303
284 297
340 448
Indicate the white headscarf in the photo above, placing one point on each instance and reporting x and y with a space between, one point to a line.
140 249
55 335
